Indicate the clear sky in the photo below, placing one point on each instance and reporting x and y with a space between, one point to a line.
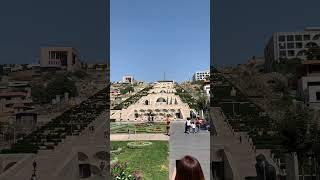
28 25
242 28
150 37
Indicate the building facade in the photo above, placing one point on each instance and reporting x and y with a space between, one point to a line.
127 79
66 58
289 45
309 84
14 102
201 75
160 102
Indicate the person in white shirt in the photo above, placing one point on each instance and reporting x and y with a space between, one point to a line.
187 125
193 125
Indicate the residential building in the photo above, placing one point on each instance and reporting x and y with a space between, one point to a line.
65 58
128 79
289 45
206 89
13 102
201 75
309 82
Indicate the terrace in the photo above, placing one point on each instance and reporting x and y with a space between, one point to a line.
243 115
70 123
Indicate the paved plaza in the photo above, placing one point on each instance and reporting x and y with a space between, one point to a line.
196 145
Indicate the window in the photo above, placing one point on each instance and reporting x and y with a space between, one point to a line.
306 37
282 45
282 38
314 84
298 37
290 38
318 96
291 53
283 53
299 45
290 45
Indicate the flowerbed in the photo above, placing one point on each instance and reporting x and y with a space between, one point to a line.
138 144
120 171
115 150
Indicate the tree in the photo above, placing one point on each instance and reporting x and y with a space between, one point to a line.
280 87
201 104
127 90
80 74
39 94
60 85
295 131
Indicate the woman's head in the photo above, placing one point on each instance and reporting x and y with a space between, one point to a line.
189 168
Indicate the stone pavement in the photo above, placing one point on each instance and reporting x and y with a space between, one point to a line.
129 137
196 145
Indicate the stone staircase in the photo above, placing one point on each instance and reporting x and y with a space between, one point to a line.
242 156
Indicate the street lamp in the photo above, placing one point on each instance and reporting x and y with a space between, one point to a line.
34 177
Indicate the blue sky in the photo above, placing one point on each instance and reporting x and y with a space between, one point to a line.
28 25
243 28
150 37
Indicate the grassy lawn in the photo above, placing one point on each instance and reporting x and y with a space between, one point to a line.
152 160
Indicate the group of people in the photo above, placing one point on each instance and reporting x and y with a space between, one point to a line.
192 125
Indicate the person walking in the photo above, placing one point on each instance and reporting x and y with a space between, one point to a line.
168 121
198 124
193 126
188 124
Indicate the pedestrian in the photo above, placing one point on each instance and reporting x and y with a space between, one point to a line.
168 125
193 125
198 124
240 138
188 125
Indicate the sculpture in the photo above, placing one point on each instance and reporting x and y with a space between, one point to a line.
265 171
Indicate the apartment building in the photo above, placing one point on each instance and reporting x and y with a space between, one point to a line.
65 58
14 102
289 45
201 75
309 79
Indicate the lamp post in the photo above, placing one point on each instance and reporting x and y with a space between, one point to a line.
34 177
